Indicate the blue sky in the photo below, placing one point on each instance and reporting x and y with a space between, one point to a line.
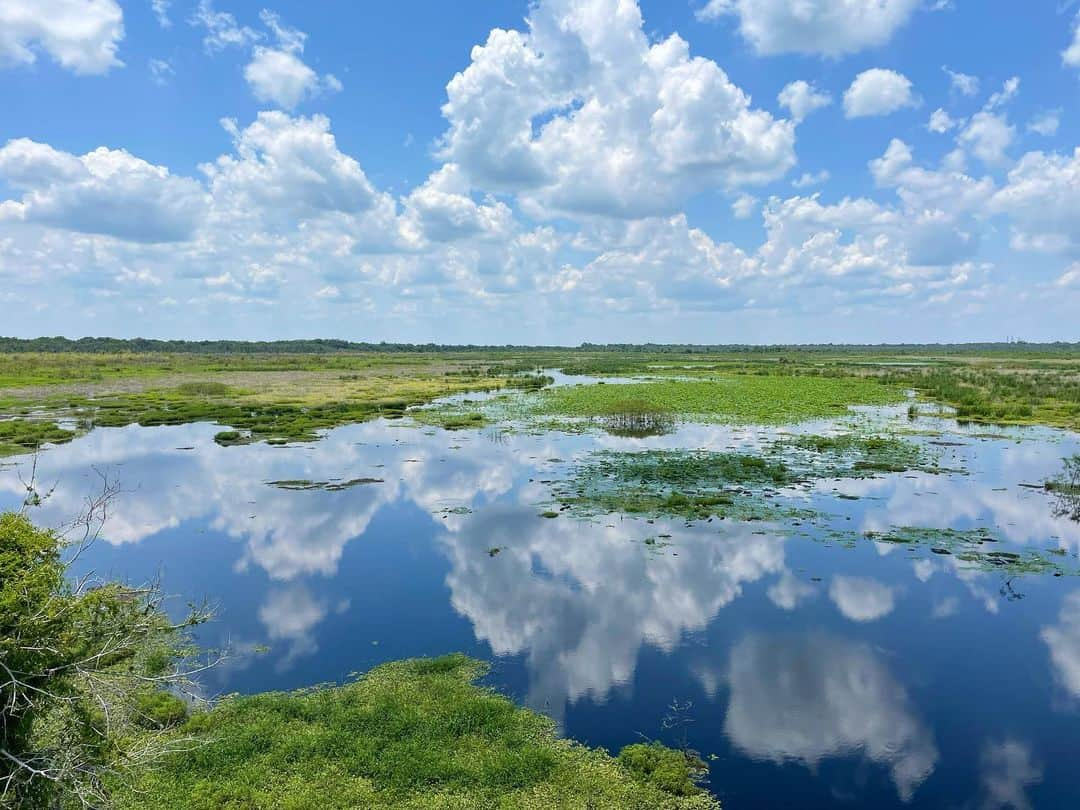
569 170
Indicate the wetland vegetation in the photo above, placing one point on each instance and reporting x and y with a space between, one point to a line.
681 453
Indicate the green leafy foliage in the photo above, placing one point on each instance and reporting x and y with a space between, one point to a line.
76 665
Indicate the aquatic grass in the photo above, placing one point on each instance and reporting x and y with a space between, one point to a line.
736 399
26 435
855 455
671 483
699 484
977 548
409 734
638 419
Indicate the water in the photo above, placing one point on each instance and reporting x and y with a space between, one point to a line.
807 670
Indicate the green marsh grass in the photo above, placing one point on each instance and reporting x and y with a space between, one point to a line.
410 734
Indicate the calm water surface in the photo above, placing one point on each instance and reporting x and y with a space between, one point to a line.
809 672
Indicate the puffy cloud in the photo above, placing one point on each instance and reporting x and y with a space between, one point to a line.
862 599
988 136
828 27
1042 201
660 262
941 122
1006 770
278 75
802 98
1071 55
877 92
106 192
442 210
806 699
80 35
288 167
807 179
744 206
582 115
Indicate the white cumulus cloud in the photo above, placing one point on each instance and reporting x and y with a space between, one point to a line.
801 98
878 92
107 191
582 114
828 27
80 35
278 75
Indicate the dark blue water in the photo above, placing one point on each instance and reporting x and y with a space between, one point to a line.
808 671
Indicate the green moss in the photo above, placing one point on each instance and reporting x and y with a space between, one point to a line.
411 734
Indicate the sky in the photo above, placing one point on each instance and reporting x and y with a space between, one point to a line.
553 172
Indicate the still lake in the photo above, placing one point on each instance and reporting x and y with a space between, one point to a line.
808 669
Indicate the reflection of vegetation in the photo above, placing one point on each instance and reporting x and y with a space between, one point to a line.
637 419
304 484
1066 490
80 674
408 734
975 548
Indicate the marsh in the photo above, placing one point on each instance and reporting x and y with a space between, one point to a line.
842 603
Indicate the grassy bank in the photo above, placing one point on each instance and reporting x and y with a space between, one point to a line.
289 396
410 734
274 397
